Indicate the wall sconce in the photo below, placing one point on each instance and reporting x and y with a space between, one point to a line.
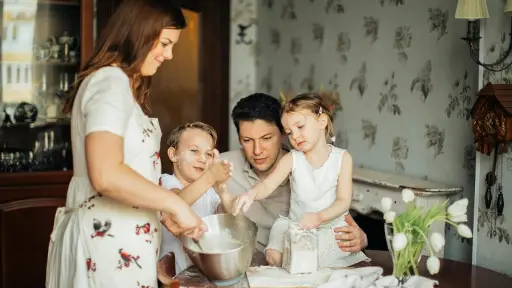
473 11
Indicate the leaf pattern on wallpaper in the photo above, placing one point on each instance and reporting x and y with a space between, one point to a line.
255 51
392 2
403 40
399 153
438 21
295 49
359 81
288 10
343 46
287 84
459 103
242 89
371 28
369 132
504 76
275 38
435 139
509 163
266 81
341 139
469 162
422 82
389 98
308 82
496 228
318 31
244 12
267 3
334 6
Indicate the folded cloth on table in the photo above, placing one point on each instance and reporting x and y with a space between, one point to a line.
414 281
353 278
268 276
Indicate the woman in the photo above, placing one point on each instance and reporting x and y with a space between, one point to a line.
108 235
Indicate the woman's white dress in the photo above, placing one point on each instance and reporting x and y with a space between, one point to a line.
98 241
313 190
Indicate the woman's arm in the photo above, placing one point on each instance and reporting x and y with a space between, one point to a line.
111 177
343 191
266 187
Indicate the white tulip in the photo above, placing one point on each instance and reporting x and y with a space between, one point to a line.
407 195
437 241
458 208
458 218
399 241
433 265
464 231
389 216
386 203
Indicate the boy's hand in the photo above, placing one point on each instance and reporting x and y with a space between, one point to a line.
220 170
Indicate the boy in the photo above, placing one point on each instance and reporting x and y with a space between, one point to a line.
195 162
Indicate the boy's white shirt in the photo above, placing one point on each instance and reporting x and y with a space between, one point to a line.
204 206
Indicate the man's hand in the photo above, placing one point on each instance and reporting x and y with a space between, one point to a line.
351 238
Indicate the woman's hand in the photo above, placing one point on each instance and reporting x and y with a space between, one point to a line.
185 222
243 202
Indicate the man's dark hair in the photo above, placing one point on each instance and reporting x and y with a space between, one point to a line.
257 106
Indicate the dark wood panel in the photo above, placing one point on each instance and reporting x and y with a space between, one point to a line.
25 228
35 178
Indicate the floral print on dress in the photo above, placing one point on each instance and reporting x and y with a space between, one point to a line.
88 203
156 159
143 286
147 231
127 260
101 228
91 265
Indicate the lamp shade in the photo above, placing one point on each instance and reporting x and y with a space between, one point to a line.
472 9
508 6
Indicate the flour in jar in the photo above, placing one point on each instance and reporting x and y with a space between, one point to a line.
219 242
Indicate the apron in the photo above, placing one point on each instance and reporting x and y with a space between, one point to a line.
101 242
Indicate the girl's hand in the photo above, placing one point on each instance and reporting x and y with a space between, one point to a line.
310 221
243 202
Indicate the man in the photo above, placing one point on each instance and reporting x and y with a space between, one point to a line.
258 123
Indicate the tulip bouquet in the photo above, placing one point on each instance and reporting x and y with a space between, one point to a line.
410 230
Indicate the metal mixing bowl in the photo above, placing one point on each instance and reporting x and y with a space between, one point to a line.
230 264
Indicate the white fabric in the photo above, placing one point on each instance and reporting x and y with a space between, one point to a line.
204 206
313 190
83 250
365 277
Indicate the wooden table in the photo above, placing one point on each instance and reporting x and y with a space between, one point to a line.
453 274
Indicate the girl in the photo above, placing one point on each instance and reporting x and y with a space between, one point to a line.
321 182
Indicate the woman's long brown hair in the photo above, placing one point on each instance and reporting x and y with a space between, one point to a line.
127 39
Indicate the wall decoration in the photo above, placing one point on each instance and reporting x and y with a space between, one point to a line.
460 103
267 3
266 81
422 82
308 82
318 33
509 163
369 132
503 77
403 39
435 139
334 6
288 10
244 11
359 81
371 28
438 21
469 162
399 153
389 98
295 49
391 2
343 46
242 35
287 84
341 139
275 38
495 225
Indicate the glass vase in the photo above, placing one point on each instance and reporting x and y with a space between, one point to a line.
405 261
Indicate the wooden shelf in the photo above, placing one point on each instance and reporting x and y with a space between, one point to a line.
34 178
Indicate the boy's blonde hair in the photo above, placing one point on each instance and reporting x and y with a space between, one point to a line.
174 137
312 102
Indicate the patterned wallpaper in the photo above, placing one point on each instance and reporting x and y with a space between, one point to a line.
405 82
493 244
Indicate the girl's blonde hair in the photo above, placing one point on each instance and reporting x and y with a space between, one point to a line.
312 102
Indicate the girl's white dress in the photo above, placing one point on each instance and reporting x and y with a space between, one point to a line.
313 190
98 241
